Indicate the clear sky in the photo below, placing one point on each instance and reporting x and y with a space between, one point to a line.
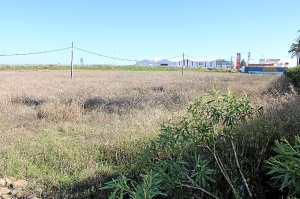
146 29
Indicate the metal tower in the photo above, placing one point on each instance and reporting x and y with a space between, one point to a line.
249 58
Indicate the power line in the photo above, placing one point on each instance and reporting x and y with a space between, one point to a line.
175 57
199 59
86 51
34 53
191 57
116 58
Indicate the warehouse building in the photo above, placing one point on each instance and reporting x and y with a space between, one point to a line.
192 63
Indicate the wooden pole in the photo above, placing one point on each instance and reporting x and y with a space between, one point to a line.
182 63
231 65
72 61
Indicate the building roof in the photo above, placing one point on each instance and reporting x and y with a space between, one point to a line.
272 60
179 60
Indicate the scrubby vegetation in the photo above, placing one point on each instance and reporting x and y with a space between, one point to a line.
158 134
285 166
215 152
294 74
187 155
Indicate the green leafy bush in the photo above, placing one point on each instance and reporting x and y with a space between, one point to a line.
285 166
124 187
188 156
294 74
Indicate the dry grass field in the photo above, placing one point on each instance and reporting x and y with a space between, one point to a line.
55 131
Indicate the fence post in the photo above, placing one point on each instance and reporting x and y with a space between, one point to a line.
182 63
72 61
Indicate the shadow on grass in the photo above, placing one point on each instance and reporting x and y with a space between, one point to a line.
86 189
28 101
124 105
111 105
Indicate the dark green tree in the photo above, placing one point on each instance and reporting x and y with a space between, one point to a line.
243 63
295 50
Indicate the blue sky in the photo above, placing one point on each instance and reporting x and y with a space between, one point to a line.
146 29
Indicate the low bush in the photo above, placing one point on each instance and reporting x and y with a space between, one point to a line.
285 166
294 74
188 156
218 149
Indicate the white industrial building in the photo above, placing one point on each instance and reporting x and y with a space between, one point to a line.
274 62
192 63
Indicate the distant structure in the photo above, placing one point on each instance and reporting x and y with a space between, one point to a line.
238 61
270 62
266 66
249 58
192 63
81 61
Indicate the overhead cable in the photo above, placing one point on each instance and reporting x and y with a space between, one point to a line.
116 58
86 51
34 53
192 57
175 57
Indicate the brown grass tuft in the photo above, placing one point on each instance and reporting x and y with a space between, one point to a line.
57 112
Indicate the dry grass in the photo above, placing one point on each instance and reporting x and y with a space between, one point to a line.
57 130
32 99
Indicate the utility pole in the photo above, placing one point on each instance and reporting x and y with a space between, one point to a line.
72 61
182 63
249 58
231 64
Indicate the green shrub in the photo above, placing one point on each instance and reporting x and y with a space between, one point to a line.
294 74
124 187
188 155
285 166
